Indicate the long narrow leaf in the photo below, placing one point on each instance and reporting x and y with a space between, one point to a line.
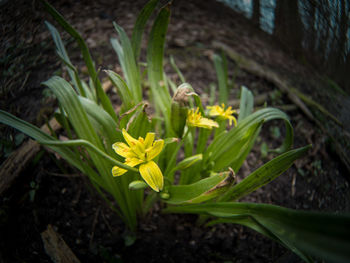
90 146
84 129
128 63
106 103
37 134
246 104
122 88
241 146
155 53
320 234
140 25
251 222
220 148
108 127
62 53
220 64
177 70
264 174
196 192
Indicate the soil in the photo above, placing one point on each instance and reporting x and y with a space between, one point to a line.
50 192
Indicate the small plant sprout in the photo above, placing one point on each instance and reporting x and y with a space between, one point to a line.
141 152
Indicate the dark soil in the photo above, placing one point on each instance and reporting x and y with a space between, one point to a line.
50 192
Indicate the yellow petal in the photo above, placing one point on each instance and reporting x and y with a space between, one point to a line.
194 119
128 138
133 161
122 149
154 150
117 171
206 123
214 110
232 118
152 175
149 139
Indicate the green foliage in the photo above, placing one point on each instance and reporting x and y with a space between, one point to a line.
319 234
246 104
155 51
220 63
128 62
124 153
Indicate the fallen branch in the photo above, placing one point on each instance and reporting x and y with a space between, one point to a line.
56 248
294 95
257 70
18 159
319 107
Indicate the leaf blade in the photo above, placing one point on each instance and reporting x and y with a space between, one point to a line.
319 234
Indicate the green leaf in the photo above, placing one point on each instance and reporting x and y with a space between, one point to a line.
139 123
319 234
107 126
78 117
170 83
199 191
37 134
106 103
212 95
128 63
62 53
189 161
264 174
246 104
91 147
177 70
122 88
72 106
140 25
223 148
198 102
220 64
241 146
155 52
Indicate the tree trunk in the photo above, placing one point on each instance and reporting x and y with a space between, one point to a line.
288 26
256 12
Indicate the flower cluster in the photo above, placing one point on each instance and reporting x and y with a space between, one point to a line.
142 151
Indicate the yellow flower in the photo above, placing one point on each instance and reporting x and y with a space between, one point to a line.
220 112
195 119
141 152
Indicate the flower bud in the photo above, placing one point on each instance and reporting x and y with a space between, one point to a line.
164 195
137 185
179 109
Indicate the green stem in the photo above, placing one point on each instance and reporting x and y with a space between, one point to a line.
92 147
169 172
